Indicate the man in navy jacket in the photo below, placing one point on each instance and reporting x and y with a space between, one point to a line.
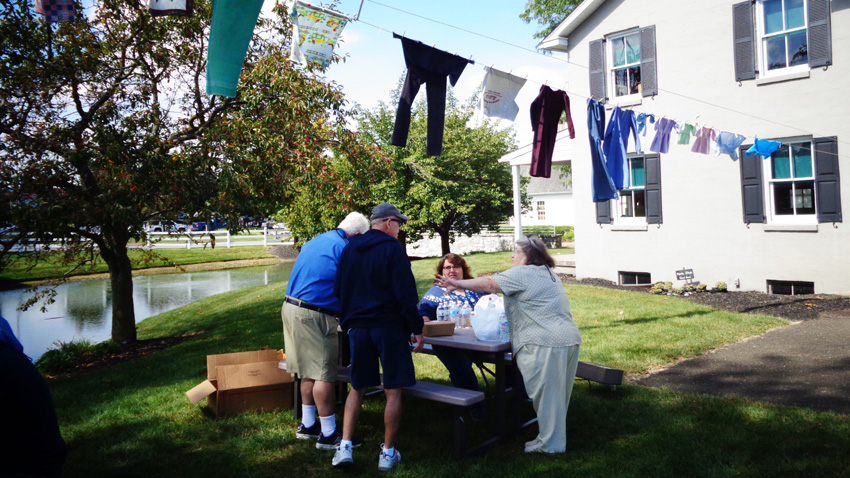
378 299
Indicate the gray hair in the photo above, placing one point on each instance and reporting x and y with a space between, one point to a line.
535 251
354 223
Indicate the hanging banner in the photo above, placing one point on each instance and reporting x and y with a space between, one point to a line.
315 33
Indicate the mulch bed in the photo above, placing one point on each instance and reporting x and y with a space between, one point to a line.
791 307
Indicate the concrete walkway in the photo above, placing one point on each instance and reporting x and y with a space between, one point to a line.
806 364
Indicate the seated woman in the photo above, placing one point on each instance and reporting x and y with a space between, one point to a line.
456 361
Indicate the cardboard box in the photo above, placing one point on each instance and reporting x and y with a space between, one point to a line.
437 329
243 381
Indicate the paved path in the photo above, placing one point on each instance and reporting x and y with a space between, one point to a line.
806 364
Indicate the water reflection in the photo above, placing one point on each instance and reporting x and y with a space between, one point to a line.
83 310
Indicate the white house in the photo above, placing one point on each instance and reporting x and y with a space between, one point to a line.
551 198
776 69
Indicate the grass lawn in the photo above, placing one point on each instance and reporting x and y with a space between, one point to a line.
134 419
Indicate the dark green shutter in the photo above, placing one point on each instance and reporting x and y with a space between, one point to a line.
597 70
751 186
819 32
648 67
652 163
744 31
603 212
827 185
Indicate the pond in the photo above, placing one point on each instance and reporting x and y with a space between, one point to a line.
83 310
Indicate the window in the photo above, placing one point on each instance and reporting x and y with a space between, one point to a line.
783 287
801 183
624 58
641 202
635 278
622 65
541 210
633 200
792 183
780 37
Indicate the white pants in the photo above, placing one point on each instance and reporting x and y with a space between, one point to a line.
548 374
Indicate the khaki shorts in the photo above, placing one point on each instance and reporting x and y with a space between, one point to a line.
310 342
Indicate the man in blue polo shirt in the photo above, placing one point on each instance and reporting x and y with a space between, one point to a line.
378 305
310 322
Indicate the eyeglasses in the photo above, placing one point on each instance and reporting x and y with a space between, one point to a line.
396 221
451 267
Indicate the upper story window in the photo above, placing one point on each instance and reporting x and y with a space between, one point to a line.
623 66
541 210
783 43
781 37
624 58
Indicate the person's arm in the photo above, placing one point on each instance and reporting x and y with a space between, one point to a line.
485 284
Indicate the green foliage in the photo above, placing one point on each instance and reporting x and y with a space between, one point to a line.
568 233
67 355
458 192
105 123
547 13
720 287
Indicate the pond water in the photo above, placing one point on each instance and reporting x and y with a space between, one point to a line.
83 310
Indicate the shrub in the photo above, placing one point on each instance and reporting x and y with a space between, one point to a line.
568 233
67 355
720 287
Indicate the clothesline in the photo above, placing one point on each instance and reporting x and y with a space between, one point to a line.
577 95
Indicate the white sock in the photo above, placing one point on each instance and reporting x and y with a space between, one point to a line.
390 452
308 415
328 425
345 443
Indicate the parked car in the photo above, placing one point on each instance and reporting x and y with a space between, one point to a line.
163 227
208 226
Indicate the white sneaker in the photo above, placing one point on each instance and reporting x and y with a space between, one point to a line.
343 456
386 462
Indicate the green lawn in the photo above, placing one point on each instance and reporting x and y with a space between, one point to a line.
134 419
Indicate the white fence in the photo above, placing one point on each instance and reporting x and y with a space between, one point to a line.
251 237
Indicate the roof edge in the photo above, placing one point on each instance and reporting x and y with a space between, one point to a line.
568 25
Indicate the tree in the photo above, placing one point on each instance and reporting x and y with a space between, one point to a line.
547 13
461 191
104 124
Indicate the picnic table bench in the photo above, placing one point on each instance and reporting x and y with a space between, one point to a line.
461 400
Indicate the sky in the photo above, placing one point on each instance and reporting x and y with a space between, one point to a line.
374 60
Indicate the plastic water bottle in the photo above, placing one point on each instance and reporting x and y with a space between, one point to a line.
465 313
454 310
504 332
441 311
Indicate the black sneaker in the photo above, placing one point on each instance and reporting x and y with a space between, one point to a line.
309 433
332 442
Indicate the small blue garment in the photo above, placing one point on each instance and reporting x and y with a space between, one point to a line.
602 185
7 336
764 147
728 143
641 122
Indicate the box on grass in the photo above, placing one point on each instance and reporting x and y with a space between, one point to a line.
438 329
242 381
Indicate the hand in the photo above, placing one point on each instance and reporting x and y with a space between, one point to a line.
445 282
420 343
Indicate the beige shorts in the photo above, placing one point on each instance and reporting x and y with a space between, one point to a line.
310 342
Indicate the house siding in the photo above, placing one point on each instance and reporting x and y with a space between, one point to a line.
702 225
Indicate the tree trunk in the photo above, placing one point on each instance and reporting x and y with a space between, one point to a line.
121 278
445 245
